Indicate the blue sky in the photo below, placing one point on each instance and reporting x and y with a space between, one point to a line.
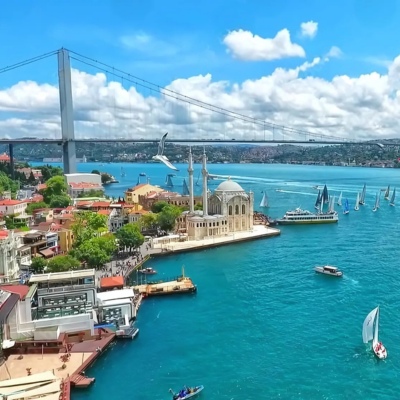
184 38
319 66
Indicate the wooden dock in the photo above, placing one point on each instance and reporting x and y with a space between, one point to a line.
178 286
80 381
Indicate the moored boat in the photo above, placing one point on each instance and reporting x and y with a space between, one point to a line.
186 392
328 270
300 217
148 271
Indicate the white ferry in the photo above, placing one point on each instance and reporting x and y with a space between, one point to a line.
300 216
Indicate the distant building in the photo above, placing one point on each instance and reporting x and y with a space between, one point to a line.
81 183
4 158
12 207
147 201
9 266
132 195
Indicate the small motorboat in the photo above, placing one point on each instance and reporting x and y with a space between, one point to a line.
186 392
148 271
142 174
328 270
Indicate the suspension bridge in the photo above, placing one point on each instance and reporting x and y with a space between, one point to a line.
143 119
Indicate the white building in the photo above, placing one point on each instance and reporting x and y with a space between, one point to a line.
9 266
81 183
229 209
13 207
117 306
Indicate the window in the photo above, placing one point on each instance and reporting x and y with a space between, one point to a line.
236 209
243 209
230 210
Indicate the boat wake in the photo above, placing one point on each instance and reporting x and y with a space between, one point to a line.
294 192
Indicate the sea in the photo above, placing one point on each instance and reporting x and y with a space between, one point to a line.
263 325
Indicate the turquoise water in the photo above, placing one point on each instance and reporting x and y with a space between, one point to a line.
263 325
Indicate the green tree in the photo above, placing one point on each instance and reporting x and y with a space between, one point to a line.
38 265
106 242
91 193
92 253
105 178
130 237
56 186
158 206
49 171
148 221
60 201
62 263
35 206
96 171
31 178
87 225
167 217
198 206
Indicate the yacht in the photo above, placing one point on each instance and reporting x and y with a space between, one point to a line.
328 270
299 216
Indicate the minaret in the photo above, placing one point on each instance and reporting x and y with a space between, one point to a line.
190 171
205 181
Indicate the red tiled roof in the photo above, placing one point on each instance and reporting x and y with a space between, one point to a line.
111 282
41 186
36 198
101 204
3 234
104 212
84 203
10 202
21 290
4 157
85 185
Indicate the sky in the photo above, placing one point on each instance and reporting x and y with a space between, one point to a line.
325 68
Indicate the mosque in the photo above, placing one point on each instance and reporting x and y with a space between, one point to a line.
226 211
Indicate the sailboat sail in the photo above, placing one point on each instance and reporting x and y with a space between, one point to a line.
332 205
393 197
356 208
387 193
122 172
346 208
168 180
325 195
377 198
264 201
185 191
376 333
368 326
318 201
339 202
363 193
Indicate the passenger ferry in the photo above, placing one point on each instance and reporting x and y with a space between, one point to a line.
300 216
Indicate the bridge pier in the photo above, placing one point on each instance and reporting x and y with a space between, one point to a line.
11 154
67 112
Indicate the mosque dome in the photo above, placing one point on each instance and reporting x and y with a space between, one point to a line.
229 186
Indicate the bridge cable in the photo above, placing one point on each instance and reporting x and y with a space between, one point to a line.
28 61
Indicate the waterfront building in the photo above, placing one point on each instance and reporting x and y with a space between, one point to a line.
61 294
132 195
176 199
228 210
117 306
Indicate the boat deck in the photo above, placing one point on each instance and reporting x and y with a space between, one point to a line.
184 285
80 381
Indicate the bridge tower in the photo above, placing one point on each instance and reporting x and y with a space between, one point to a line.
67 112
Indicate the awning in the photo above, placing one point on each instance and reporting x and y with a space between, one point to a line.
47 252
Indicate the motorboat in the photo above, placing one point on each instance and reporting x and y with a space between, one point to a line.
186 392
148 271
328 270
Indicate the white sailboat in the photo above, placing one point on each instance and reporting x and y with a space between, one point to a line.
387 193
264 201
332 205
370 332
339 202
393 197
357 206
361 200
377 200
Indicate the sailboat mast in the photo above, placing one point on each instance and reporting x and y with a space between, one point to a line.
376 332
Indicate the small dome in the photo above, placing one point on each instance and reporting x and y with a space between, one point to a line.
229 186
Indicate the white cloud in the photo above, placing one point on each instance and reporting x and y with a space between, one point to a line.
244 45
334 52
309 29
362 107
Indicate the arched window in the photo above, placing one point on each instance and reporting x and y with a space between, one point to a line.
236 209
230 210
243 209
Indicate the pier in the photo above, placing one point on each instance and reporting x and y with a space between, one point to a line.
178 286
